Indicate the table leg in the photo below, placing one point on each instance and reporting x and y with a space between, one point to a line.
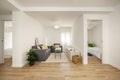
55 54
60 55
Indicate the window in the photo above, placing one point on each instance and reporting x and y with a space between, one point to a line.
65 38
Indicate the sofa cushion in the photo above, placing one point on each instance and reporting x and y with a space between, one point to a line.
38 47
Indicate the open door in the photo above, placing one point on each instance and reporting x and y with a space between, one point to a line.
1 41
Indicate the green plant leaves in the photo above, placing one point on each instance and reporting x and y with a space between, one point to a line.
31 56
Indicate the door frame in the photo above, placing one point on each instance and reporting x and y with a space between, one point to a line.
2 41
104 18
101 22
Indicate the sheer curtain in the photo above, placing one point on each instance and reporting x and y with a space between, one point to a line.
8 38
66 37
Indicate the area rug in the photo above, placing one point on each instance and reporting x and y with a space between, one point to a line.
57 59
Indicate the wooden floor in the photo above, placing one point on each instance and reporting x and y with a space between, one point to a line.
94 60
59 71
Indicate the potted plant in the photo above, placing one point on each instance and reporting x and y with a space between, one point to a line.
31 57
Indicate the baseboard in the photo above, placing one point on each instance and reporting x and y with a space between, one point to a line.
19 66
116 66
1 62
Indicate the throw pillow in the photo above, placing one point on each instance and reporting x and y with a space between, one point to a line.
57 46
45 47
38 47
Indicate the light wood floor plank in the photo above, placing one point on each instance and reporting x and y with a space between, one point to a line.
59 71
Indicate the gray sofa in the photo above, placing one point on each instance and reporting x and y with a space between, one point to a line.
42 54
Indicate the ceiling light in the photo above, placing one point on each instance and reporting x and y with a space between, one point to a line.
56 27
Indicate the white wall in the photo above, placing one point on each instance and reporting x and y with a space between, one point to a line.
90 36
6 17
78 38
95 34
52 35
114 37
25 30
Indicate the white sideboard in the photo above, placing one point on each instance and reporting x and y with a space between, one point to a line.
70 53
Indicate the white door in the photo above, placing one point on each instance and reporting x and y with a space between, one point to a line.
1 41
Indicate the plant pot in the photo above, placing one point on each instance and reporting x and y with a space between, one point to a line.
31 63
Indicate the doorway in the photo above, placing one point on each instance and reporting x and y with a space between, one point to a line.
7 40
94 41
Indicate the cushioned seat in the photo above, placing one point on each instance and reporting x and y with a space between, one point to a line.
57 47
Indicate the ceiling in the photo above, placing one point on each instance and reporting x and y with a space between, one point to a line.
52 18
68 3
62 19
6 7
94 23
